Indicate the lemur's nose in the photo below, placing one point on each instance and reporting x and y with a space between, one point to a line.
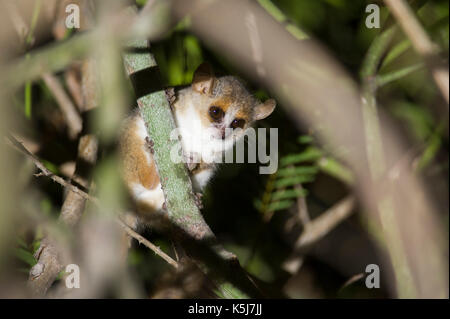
223 133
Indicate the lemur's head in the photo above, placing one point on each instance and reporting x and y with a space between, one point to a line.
227 109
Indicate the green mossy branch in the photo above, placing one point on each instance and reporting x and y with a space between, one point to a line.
175 181
183 213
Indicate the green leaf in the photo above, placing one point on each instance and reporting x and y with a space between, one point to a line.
257 203
141 3
36 244
289 193
28 103
301 170
279 205
335 169
25 256
50 166
291 181
433 146
193 57
419 119
310 154
21 243
60 275
395 52
134 257
305 139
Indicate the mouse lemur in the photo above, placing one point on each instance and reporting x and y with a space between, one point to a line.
211 114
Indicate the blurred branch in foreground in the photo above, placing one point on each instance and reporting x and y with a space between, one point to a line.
309 84
124 26
317 92
421 43
71 212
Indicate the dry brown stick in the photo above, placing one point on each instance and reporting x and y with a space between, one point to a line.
294 262
321 225
303 213
75 189
421 43
73 119
49 257
317 229
19 24
74 87
147 243
46 172
49 265
74 204
352 280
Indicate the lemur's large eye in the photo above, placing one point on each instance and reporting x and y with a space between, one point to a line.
237 123
216 113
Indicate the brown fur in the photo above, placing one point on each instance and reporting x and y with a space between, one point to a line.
232 90
135 165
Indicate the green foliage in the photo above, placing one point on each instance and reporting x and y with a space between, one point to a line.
178 58
141 3
405 89
28 100
281 188
24 253
254 262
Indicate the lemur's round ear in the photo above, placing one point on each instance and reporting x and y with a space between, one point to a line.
263 110
203 81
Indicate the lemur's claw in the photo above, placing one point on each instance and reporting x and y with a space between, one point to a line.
149 142
190 161
170 95
198 200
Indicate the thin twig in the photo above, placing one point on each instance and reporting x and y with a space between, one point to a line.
49 256
46 172
351 280
148 24
19 146
73 119
316 229
421 43
19 24
383 79
377 156
147 243
302 208
74 87
322 225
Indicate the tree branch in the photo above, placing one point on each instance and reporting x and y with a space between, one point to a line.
377 159
421 43
149 24
73 119
46 172
147 243
19 146
320 226
182 210
298 73
317 228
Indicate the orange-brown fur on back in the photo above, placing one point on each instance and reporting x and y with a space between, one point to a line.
137 167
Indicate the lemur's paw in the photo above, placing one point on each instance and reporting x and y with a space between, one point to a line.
149 143
198 200
170 95
191 161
